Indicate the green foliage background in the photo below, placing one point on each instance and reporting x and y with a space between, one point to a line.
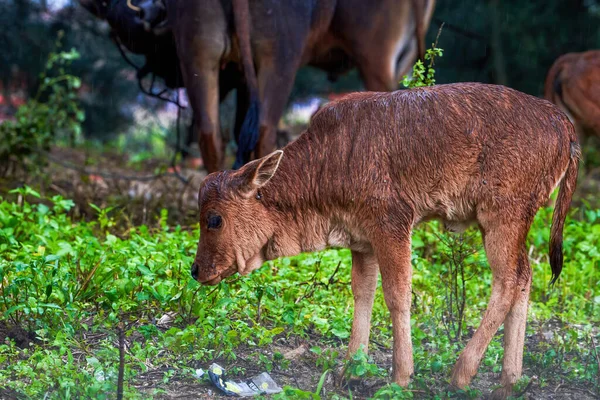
511 42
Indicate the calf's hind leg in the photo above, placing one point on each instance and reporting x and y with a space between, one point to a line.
514 329
503 242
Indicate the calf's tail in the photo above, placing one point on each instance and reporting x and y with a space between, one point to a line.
565 194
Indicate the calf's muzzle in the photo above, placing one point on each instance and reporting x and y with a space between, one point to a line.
194 271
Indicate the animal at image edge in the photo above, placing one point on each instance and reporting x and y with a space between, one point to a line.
573 83
369 168
271 40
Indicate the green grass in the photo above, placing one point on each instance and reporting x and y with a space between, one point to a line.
74 282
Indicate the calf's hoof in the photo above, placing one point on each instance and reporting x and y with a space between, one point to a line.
342 379
402 379
462 374
501 393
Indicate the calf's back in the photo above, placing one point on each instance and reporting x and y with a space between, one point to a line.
440 151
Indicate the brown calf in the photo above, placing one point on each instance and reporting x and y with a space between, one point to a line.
369 168
573 83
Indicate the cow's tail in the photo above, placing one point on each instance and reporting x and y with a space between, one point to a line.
418 12
565 193
553 84
248 136
422 11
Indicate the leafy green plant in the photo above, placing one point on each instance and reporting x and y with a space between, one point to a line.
295 393
359 365
290 393
459 252
326 359
65 281
423 75
393 391
53 111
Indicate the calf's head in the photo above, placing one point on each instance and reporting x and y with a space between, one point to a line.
235 226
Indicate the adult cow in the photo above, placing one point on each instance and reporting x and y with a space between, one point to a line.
159 50
573 83
380 38
149 37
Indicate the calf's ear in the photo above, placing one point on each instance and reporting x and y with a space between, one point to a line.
256 174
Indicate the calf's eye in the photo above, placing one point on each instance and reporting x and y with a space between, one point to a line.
214 222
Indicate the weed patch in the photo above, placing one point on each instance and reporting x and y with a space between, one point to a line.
68 286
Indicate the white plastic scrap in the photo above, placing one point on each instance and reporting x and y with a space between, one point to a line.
259 384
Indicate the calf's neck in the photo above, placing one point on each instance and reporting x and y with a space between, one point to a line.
371 166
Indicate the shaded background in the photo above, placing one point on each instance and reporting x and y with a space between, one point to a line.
511 42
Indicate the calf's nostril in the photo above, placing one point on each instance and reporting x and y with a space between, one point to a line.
195 271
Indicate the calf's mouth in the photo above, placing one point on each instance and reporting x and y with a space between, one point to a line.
213 280
242 266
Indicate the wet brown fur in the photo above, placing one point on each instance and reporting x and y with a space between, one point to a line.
373 165
573 83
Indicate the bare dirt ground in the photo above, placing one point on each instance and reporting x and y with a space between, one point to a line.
303 374
136 192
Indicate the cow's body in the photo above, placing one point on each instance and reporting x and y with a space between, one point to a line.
159 50
573 83
160 53
376 37
372 166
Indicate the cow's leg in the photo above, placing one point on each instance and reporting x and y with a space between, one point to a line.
514 329
190 139
503 242
203 92
396 272
377 76
275 84
200 47
364 282
381 67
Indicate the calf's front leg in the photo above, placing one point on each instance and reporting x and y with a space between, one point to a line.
364 283
396 274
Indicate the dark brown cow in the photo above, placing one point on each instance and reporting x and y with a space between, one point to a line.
573 83
372 166
276 38
159 49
